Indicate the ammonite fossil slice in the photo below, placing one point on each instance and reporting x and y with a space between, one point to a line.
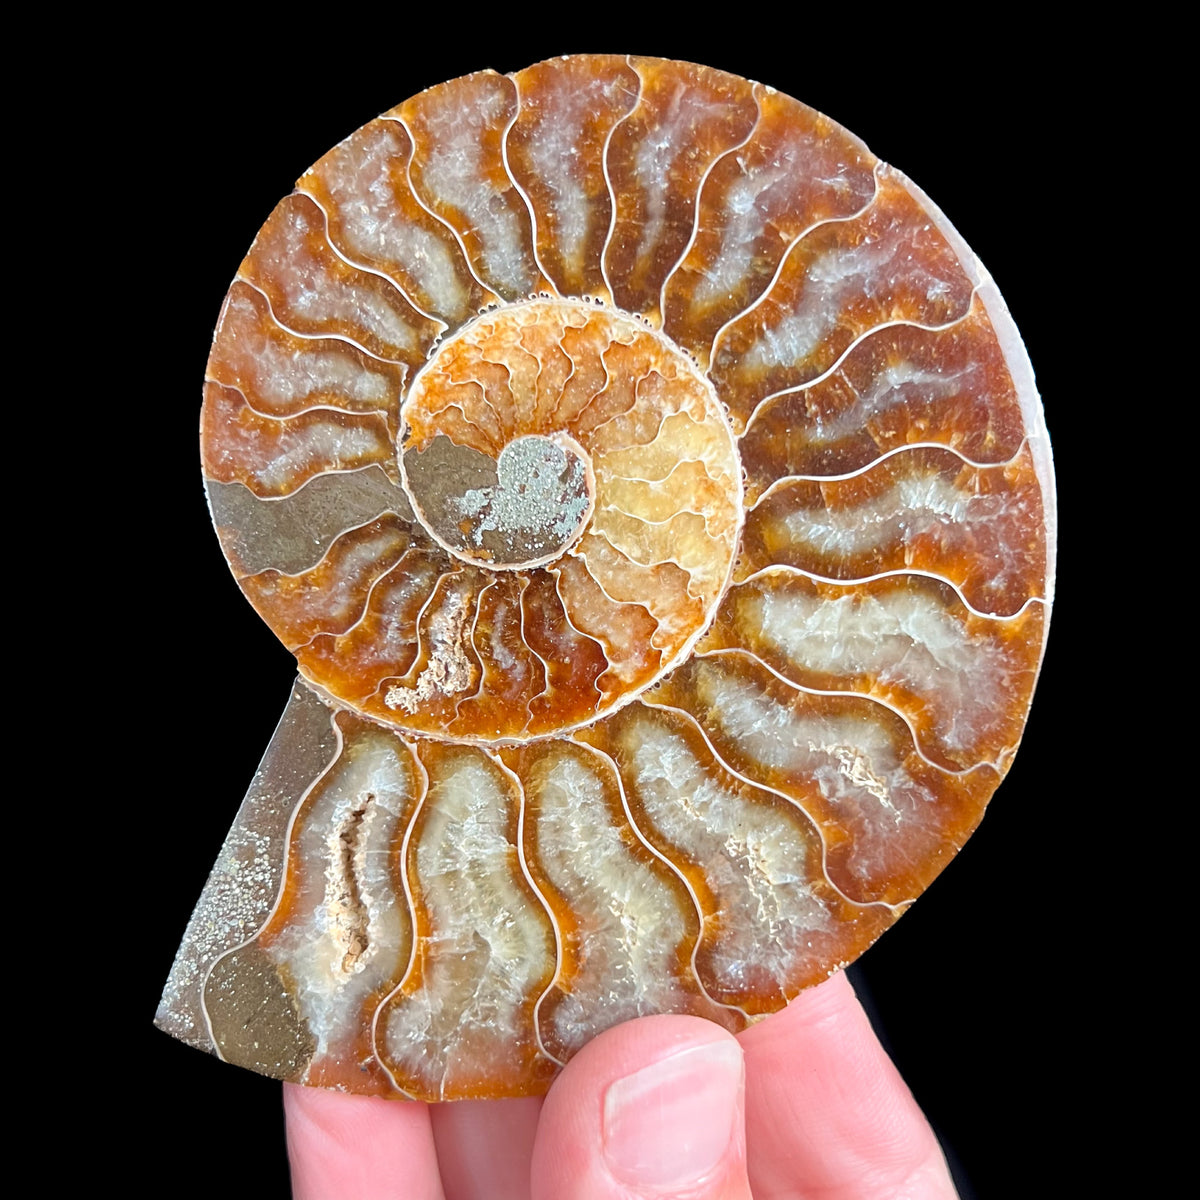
653 490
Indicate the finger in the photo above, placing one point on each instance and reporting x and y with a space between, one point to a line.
828 1114
484 1147
651 1108
345 1147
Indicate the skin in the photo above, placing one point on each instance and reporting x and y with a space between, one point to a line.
805 1104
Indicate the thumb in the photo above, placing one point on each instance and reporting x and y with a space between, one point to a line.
652 1108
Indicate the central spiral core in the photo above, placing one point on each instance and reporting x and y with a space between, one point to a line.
577 505
522 509
490 455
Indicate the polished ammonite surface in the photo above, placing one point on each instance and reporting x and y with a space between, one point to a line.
654 493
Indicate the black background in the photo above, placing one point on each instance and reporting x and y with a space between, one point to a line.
978 991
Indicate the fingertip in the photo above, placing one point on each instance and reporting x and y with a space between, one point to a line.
341 1145
826 1109
653 1107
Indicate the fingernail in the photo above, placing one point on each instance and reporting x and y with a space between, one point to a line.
670 1123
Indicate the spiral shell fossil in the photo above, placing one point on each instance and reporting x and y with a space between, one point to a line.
653 491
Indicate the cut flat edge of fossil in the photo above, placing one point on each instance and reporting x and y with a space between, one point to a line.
243 886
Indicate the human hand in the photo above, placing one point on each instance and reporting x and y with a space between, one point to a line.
803 1103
